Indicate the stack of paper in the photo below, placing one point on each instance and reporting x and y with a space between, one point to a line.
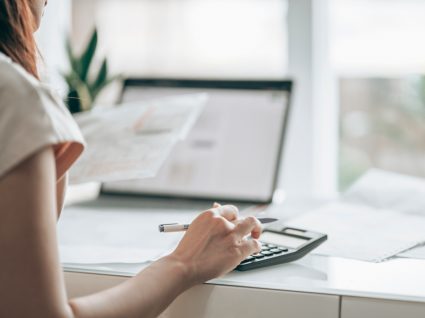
132 141
381 216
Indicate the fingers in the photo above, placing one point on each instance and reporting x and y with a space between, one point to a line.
249 225
250 246
229 212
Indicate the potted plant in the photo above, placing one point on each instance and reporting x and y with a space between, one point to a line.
85 83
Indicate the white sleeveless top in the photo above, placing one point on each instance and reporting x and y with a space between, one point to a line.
32 117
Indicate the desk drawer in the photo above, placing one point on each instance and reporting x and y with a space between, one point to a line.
212 301
355 307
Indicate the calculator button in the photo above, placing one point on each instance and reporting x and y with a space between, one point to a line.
282 249
276 250
259 255
271 245
265 248
266 253
248 259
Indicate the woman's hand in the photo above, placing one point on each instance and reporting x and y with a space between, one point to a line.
216 242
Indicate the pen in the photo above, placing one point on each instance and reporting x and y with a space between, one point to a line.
176 227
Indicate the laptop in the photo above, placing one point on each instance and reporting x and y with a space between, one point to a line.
233 152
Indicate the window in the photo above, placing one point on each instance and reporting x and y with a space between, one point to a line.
371 53
189 38
237 39
378 54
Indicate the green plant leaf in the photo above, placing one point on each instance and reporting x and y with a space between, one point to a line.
104 84
101 76
71 57
68 80
72 79
82 90
87 56
84 95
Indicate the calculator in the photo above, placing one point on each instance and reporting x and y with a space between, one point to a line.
282 245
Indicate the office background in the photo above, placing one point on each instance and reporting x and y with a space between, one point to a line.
358 65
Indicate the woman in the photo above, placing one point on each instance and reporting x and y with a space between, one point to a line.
38 143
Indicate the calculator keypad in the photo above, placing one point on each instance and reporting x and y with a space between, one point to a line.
267 251
274 254
248 259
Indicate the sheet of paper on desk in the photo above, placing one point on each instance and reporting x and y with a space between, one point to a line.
132 141
94 236
364 224
364 233
416 252
389 190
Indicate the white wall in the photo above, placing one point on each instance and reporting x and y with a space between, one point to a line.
51 41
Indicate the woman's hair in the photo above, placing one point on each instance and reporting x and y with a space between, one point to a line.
16 33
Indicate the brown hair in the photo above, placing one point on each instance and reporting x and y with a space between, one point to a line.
16 34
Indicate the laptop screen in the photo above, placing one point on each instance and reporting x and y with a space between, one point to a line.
232 152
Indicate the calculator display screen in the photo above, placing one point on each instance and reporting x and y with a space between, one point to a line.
281 239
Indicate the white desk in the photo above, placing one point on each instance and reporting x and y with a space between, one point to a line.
315 286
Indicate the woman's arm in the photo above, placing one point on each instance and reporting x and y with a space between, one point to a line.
31 280
61 186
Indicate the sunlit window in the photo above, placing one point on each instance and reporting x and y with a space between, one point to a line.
192 38
378 53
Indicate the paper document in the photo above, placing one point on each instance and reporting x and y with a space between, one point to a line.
382 215
90 235
364 233
416 252
117 231
131 141
389 190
